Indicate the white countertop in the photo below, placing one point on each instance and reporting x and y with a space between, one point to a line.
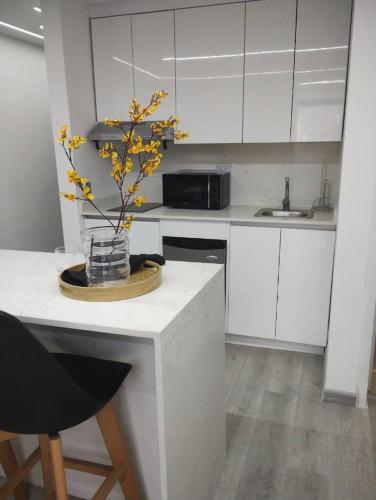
29 290
322 219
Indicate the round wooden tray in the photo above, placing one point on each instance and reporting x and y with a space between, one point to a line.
145 280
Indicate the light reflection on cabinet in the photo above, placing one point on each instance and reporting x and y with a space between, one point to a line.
269 69
322 41
113 66
153 55
209 45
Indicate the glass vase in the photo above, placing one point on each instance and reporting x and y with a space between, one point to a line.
107 256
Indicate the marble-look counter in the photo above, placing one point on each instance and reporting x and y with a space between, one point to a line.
172 403
236 214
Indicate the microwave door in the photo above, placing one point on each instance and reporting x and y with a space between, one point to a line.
189 191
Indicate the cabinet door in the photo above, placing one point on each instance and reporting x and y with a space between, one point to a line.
209 72
322 39
153 56
113 66
143 236
253 280
305 278
269 69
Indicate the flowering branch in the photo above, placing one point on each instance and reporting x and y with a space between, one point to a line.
147 154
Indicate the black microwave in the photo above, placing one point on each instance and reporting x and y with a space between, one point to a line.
196 189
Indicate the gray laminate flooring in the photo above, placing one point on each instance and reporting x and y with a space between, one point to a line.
283 442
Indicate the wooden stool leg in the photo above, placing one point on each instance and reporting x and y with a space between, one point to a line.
9 462
44 443
57 462
113 439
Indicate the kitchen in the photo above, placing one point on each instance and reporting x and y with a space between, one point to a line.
274 118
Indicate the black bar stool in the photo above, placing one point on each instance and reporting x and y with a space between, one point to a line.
43 393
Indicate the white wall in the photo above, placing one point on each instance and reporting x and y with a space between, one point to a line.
354 280
70 78
257 170
29 200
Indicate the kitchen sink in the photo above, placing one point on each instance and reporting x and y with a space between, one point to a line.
281 214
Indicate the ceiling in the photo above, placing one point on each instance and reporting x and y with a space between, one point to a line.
20 13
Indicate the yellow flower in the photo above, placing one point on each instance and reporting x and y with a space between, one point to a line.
132 188
136 147
128 222
139 200
74 178
180 135
152 147
75 141
69 196
128 165
113 122
114 157
87 194
63 134
138 114
116 172
105 151
152 164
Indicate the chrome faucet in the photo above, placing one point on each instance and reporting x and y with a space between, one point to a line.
286 199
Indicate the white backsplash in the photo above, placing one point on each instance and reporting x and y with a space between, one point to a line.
257 170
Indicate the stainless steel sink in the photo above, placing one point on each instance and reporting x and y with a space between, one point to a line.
288 214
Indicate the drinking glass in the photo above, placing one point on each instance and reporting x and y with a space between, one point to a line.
66 257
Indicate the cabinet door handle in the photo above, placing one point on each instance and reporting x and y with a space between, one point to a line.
212 257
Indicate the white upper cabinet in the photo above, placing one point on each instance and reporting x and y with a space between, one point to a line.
209 49
153 57
305 278
322 40
113 66
269 70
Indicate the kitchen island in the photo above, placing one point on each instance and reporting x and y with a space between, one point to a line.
172 404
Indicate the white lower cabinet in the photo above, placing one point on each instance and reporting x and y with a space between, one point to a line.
143 237
305 278
253 280
280 283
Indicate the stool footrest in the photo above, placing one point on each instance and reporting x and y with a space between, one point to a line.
110 481
88 467
14 480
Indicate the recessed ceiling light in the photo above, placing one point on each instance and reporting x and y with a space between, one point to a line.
41 27
20 29
37 9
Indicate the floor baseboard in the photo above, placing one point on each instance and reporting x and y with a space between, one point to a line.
273 344
338 397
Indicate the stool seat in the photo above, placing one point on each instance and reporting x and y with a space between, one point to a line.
44 393
99 378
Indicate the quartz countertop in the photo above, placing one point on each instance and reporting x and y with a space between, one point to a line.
29 290
238 214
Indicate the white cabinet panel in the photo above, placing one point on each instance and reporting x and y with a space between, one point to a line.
209 72
305 277
143 236
253 280
113 66
153 56
269 67
322 40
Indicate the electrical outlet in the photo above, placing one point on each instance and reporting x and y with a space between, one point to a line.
223 167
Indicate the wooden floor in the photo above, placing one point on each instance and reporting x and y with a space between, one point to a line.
284 443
